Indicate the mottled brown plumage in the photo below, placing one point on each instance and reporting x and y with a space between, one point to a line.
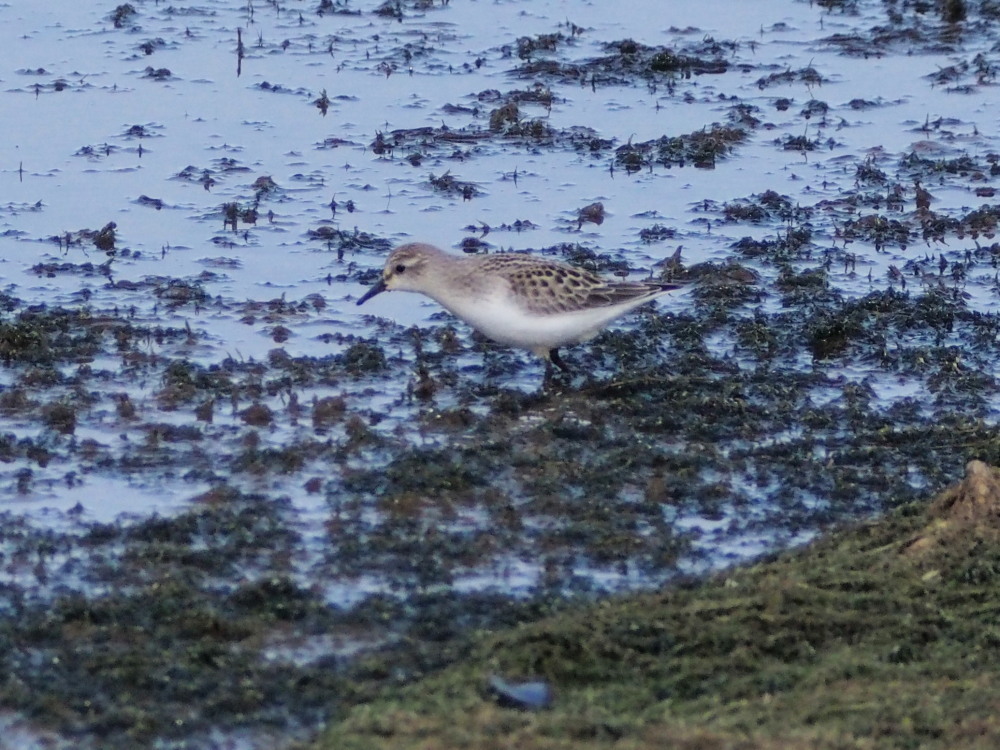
522 300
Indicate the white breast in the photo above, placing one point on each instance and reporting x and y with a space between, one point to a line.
499 317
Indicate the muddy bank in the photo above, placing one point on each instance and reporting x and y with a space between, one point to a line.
241 615
235 509
882 635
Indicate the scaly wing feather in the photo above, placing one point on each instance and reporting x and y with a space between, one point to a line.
547 286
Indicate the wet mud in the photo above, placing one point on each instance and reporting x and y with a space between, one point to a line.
235 509
878 636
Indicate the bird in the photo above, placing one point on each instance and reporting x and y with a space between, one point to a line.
520 300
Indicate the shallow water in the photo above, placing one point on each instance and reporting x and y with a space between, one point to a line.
204 113
93 138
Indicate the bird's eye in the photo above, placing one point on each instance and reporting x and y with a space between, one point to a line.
400 268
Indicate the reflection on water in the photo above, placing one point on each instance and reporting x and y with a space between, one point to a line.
208 341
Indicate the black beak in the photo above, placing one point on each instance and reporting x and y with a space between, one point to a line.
377 288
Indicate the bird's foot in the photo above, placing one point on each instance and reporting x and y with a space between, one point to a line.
555 359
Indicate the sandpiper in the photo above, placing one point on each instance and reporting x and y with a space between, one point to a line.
520 300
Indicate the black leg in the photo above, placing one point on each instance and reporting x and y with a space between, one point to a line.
557 360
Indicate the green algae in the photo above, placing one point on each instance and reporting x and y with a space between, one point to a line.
702 148
180 606
659 424
882 635
727 410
